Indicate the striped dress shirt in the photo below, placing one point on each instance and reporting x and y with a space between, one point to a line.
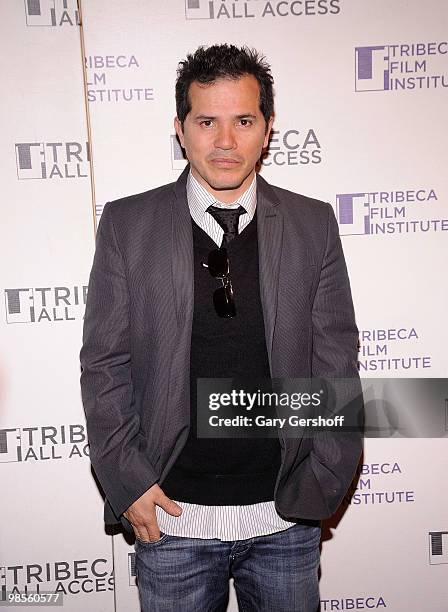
221 522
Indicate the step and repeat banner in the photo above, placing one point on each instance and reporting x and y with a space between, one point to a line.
87 117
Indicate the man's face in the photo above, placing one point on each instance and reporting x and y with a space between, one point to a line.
224 135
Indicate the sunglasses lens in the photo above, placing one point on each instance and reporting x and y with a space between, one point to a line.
223 301
218 266
218 263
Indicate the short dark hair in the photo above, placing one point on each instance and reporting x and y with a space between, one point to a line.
223 61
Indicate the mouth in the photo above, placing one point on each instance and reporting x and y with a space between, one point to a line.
224 162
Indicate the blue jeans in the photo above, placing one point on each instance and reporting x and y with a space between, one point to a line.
273 573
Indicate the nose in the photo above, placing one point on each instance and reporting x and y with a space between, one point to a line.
225 138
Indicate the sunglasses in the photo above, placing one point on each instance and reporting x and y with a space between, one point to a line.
218 266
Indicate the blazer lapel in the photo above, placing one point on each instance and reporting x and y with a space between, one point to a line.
182 250
270 235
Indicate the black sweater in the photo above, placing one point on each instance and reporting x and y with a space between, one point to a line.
226 471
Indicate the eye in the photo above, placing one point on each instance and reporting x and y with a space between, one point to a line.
207 123
245 122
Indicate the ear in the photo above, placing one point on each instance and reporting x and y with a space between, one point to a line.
179 131
268 131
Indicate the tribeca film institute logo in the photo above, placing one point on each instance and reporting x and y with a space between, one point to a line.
52 160
51 13
108 79
404 211
67 576
397 67
393 349
221 9
379 483
354 602
51 304
20 444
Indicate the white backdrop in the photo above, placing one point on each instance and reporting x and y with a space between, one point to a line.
361 122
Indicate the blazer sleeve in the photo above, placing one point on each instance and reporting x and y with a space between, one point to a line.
335 454
113 423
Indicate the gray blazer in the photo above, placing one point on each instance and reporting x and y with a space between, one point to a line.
137 332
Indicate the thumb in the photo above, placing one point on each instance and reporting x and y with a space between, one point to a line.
169 505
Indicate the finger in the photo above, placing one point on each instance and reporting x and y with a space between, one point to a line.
148 528
169 505
149 532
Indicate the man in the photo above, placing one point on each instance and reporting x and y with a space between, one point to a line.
157 320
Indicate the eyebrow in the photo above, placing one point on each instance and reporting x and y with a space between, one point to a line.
211 117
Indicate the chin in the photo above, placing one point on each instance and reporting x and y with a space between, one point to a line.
221 186
226 182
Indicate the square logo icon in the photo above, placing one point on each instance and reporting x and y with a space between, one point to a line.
199 9
40 12
178 159
438 547
353 213
372 68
